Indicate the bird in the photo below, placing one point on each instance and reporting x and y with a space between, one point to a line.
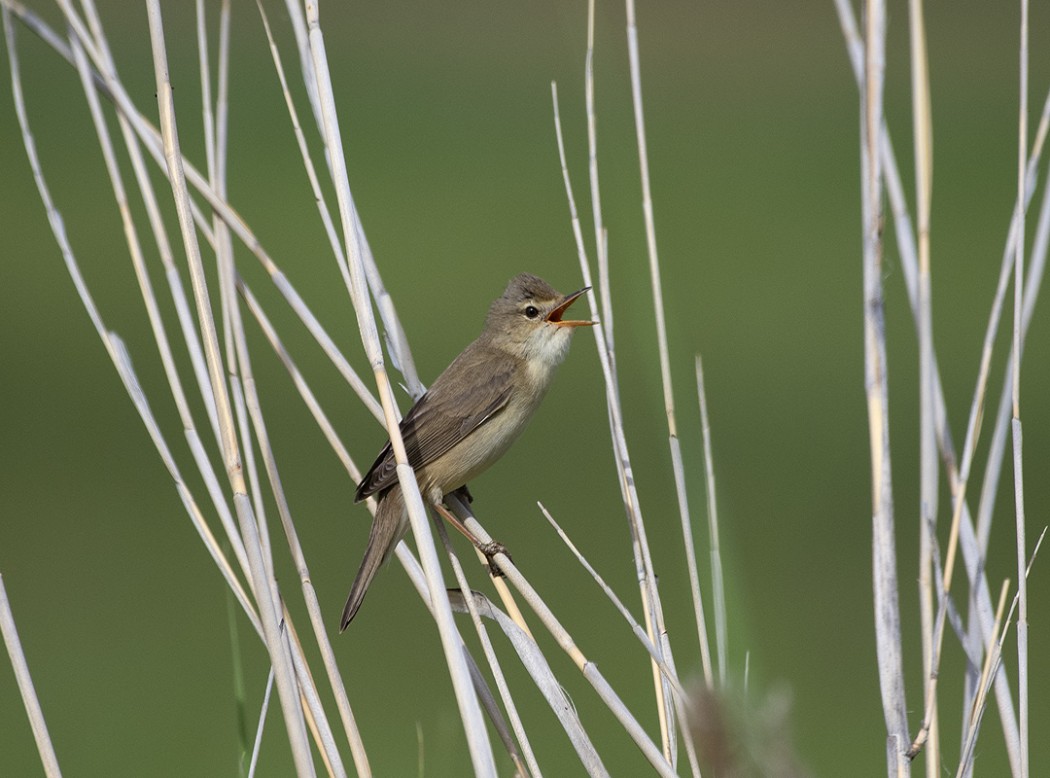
470 415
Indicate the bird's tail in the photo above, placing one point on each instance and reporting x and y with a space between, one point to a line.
388 527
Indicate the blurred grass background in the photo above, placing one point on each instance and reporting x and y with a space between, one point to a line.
752 122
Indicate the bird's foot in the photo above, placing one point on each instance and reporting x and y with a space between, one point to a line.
490 550
464 494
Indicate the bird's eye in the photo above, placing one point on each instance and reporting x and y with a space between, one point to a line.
532 312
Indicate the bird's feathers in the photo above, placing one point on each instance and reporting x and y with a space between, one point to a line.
388 527
438 420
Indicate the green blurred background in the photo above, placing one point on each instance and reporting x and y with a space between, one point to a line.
752 119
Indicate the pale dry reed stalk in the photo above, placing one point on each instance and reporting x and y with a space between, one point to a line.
979 637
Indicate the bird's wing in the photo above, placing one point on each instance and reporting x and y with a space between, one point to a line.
444 416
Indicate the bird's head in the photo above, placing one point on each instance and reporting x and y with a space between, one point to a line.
527 320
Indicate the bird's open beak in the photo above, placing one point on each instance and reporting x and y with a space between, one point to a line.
554 317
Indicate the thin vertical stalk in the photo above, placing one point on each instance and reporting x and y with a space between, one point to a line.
929 467
487 648
962 525
335 680
963 531
114 350
718 591
634 60
105 64
279 657
470 711
991 657
991 668
645 573
601 247
1019 512
887 615
8 629
590 671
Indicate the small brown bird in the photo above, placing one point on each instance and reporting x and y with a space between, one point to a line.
471 414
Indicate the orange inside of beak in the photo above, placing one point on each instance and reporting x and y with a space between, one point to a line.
554 317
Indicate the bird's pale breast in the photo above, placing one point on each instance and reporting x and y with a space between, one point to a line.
475 453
